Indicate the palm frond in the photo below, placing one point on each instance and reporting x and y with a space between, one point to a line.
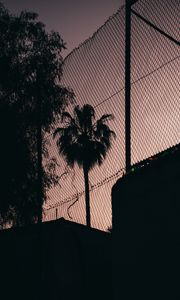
102 130
78 115
84 116
113 134
81 140
106 141
105 118
88 111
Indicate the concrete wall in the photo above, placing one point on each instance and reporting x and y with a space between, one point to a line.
146 231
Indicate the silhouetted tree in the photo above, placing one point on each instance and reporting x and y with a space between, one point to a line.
84 141
31 99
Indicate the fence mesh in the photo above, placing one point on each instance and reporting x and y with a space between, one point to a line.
95 71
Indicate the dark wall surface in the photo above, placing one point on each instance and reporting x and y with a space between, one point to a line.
146 231
59 260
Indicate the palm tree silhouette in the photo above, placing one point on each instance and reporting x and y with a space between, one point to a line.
84 141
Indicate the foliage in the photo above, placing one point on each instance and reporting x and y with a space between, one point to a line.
31 67
84 141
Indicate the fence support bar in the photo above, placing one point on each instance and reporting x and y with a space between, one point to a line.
128 85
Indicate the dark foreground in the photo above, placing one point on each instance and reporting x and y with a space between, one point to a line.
60 260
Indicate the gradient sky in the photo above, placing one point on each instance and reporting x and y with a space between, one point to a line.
95 71
155 101
75 20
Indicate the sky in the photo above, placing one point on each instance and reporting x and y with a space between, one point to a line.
153 54
95 72
75 20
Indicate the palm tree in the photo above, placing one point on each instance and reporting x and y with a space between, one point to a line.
84 141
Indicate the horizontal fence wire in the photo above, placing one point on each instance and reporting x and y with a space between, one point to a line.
95 71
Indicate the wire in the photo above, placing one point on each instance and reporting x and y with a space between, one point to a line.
134 82
155 27
95 71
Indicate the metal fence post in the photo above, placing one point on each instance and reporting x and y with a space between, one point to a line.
128 84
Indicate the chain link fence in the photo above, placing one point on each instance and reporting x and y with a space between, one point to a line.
95 71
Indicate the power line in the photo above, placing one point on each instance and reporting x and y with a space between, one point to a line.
137 80
93 71
132 83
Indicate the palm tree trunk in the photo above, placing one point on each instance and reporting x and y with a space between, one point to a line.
87 196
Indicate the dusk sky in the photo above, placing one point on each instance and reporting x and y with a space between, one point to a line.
95 72
75 20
